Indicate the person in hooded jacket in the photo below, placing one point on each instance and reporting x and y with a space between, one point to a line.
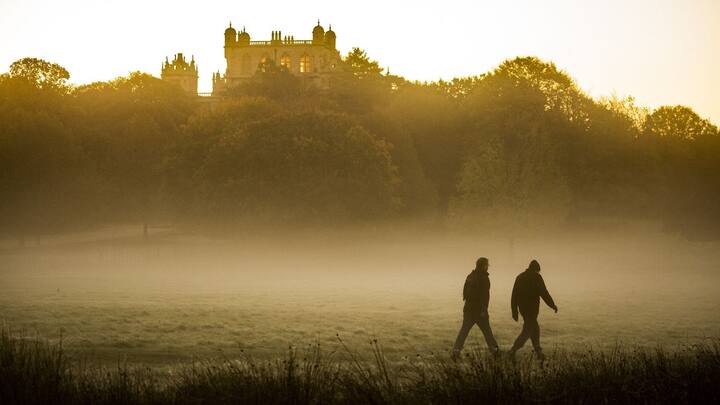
476 294
529 287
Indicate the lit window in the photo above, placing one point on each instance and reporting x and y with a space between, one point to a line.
285 61
305 64
265 63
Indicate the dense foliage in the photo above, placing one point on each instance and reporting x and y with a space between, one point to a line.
521 145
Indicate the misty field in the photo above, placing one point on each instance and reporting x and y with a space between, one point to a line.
175 298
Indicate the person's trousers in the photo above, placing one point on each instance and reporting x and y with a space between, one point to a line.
482 321
530 330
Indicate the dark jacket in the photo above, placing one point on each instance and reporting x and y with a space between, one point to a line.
528 289
476 292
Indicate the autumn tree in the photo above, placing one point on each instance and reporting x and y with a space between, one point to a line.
361 66
130 124
358 87
304 167
274 82
520 144
685 144
42 170
513 170
42 74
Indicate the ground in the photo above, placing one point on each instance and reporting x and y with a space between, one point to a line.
176 297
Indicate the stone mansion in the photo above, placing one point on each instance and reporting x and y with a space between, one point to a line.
312 59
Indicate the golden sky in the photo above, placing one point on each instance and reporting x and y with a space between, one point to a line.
660 51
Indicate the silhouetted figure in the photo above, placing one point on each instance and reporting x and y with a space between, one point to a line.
476 294
528 289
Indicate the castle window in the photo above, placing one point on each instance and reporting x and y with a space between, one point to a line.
265 63
304 64
285 62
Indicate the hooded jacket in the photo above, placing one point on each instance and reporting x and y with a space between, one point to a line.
528 289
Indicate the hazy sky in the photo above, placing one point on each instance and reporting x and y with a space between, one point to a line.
660 51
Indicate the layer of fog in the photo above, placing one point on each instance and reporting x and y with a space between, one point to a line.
604 282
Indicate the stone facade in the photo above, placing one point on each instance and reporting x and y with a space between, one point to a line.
314 60
182 73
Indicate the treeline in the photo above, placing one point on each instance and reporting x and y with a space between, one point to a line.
520 145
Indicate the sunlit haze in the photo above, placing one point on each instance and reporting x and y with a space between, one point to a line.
659 51
283 212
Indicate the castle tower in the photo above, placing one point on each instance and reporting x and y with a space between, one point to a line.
243 38
314 60
330 38
182 73
231 40
318 34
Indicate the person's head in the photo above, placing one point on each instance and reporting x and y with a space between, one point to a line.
534 266
481 264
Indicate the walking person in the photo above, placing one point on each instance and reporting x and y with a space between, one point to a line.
528 289
476 294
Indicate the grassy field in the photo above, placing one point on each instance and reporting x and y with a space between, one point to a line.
177 298
35 372
362 317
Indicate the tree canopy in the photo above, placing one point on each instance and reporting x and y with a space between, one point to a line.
521 144
40 73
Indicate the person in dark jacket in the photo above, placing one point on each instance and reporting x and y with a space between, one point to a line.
476 294
528 289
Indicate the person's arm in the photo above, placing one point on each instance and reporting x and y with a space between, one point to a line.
514 301
545 294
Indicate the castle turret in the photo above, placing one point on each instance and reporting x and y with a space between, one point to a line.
330 38
218 83
318 34
243 38
230 35
181 73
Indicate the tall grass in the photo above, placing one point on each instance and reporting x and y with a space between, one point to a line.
34 371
